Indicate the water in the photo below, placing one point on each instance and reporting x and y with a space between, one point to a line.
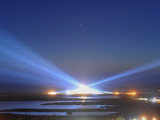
63 113
38 105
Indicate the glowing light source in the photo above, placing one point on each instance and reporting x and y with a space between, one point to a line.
142 99
154 118
155 100
83 89
69 92
134 119
83 97
132 93
143 118
52 93
116 93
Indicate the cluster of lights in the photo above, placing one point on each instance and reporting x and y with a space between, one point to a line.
83 89
152 100
131 93
142 99
52 93
116 93
145 118
83 97
155 100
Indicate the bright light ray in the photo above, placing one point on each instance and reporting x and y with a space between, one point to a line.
128 73
32 65
83 89
26 58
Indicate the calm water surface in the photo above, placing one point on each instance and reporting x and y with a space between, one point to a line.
38 105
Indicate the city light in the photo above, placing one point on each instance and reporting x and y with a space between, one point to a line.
155 100
134 119
116 93
83 89
83 97
143 118
132 93
52 93
154 118
142 99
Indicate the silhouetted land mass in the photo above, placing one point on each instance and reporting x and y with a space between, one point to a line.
30 117
122 106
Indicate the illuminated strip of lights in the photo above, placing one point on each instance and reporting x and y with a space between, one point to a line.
83 89
52 93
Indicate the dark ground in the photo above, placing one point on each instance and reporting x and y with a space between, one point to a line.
26 117
126 107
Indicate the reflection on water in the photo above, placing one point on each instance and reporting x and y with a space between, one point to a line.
63 113
38 113
38 105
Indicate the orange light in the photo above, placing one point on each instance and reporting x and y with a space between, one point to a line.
133 93
116 93
154 118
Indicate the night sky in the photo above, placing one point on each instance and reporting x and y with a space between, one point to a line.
88 39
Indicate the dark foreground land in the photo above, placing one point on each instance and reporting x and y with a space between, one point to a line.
123 107
28 117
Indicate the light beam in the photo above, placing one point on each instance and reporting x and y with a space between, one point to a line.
143 68
25 58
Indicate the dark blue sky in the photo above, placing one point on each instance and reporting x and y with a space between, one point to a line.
88 39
